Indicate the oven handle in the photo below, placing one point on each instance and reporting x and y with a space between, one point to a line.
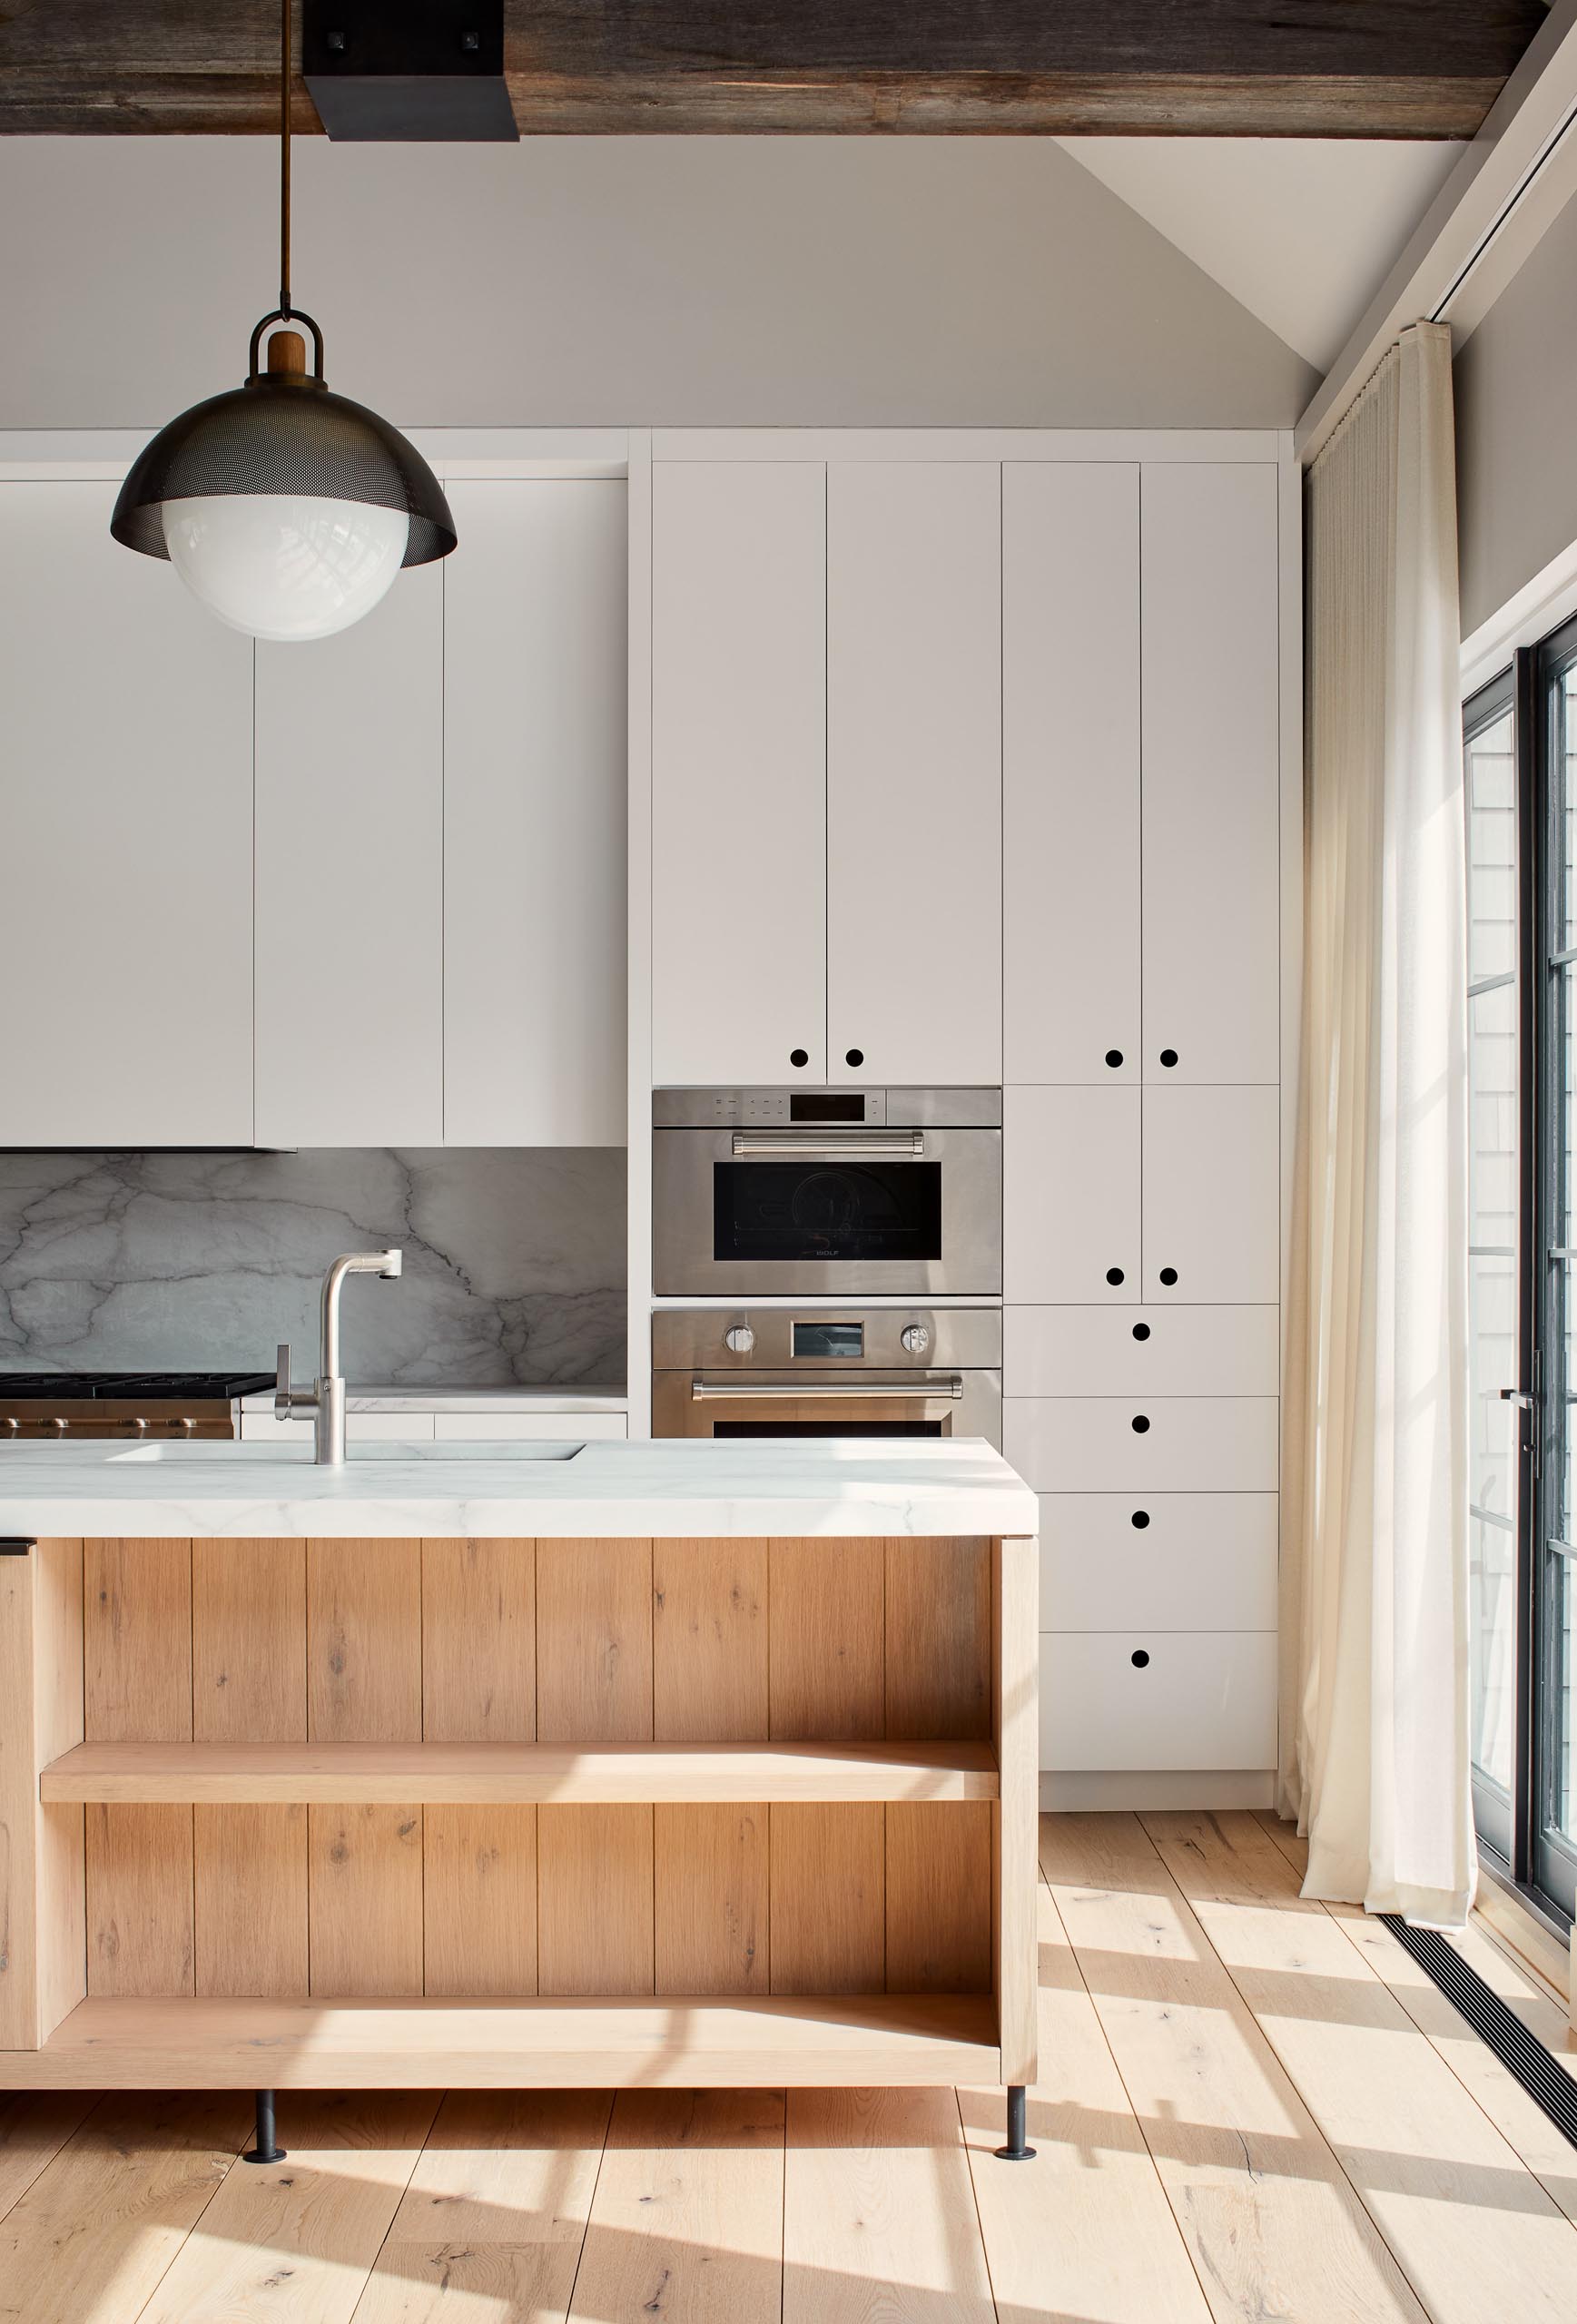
712 1390
907 1145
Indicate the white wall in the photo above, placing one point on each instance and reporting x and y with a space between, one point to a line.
609 281
1517 447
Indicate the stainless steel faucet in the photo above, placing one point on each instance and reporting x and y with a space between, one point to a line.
325 1399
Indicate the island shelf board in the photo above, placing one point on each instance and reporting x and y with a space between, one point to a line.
871 2040
524 1774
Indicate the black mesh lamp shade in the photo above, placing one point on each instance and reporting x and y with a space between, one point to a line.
288 511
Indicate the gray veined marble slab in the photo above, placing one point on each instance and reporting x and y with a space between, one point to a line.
514 1263
696 1488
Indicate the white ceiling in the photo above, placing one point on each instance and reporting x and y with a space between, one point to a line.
1300 231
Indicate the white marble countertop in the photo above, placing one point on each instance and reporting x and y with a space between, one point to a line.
466 1400
957 1485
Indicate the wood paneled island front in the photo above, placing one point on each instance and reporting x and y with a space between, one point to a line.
671 1764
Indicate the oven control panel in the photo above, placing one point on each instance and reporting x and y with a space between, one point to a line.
745 1339
812 1108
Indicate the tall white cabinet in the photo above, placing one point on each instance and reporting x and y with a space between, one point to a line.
1141 774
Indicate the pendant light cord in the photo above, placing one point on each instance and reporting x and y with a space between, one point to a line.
285 164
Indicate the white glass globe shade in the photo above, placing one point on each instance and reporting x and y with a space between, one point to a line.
284 566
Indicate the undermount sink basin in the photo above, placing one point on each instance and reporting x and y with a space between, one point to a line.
234 1454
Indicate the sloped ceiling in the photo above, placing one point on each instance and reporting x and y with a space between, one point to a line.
1300 231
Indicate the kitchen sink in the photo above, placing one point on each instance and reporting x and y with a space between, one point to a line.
234 1454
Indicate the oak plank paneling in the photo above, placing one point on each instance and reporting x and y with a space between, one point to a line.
593 1906
364 1641
709 1643
827 1932
594 1642
827 1599
137 1642
364 1906
249 1641
710 1883
139 1901
250 1893
478 1641
939 1898
479 1899
939 1640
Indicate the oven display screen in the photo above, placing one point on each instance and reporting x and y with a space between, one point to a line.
826 1210
847 1340
827 1106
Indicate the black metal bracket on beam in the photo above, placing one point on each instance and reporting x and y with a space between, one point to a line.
14 1545
266 2150
1016 2150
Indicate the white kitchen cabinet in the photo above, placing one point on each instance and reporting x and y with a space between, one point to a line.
1196 1700
1198 1561
1151 1445
1071 771
536 618
127 788
1210 816
1147 1350
1070 1195
914 772
739 795
1212 1194
533 1428
349 879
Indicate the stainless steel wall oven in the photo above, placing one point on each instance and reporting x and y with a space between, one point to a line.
757 1193
872 1371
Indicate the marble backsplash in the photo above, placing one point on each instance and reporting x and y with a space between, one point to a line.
123 1262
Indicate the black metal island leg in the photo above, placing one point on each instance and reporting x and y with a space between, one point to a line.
265 2150
1016 2151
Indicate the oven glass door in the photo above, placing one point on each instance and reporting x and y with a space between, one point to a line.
827 1212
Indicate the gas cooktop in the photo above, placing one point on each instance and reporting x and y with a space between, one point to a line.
75 1387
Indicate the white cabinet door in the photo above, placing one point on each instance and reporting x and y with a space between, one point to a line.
1146 1700
1210 808
914 773
126 783
535 748
1070 1195
1212 1194
739 805
1198 1562
1070 772
349 879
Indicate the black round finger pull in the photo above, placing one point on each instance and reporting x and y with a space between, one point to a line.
1114 1056
1140 1659
799 1056
1114 1275
853 1057
1168 1057
1168 1277
1140 1424
1139 1520
1142 1331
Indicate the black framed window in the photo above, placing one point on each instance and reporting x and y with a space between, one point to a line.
1520 752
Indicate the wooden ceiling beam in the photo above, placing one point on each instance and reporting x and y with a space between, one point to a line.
1246 68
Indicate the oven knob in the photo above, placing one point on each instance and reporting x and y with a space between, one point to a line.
739 1339
915 1338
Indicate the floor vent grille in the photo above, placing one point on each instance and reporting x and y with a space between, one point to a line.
1546 2081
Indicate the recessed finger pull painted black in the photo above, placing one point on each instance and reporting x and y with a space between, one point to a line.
799 1056
1139 1520
1140 1659
1168 1057
1168 1277
1140 1424
1142 1331
853 1057
1114 1275
1114 1056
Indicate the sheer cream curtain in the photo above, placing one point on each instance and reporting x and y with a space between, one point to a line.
1375 1601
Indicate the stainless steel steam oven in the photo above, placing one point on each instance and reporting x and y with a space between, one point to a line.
757 1193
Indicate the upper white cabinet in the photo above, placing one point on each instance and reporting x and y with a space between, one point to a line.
349 879
126 767
739 812
535 663
1210 785
914 772
1071 771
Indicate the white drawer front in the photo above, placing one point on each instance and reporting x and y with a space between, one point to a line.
1186 1444
1197 1561
501 1428
361 1428
1141 1350
1204 1698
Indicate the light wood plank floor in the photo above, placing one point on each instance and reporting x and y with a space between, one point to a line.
1252 2108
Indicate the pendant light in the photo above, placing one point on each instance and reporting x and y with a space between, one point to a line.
287 510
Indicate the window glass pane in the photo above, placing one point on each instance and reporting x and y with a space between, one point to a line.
1493 1102
1492 838
1566 774
1562 1591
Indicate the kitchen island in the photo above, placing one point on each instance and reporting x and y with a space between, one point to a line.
464 1766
